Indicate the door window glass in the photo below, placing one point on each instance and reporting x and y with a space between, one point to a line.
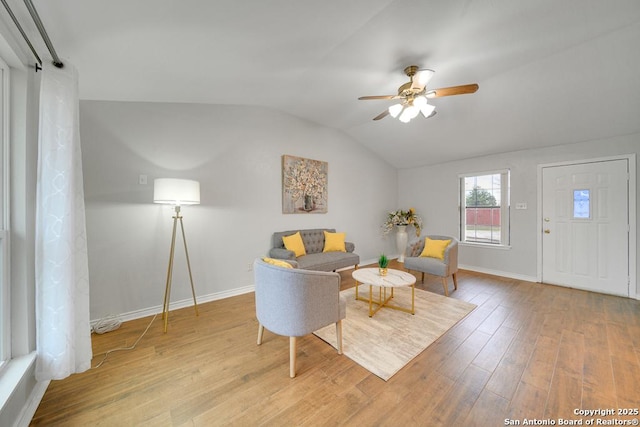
581 204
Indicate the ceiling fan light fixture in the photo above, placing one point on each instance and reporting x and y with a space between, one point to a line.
413 95
404 119
410 112
421 78
419 101
427 110
395 109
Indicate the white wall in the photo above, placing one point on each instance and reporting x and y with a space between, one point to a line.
235 153
433 191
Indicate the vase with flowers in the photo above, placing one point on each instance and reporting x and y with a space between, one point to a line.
400 220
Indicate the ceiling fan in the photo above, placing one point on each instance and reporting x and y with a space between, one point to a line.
413 95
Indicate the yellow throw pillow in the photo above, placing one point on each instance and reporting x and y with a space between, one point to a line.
334 242
277 262
294 243
435 248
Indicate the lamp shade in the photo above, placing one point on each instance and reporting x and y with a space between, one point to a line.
176 191
421 78
425 108
395 109
410 112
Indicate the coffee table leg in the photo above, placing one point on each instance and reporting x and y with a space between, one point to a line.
356 289
413 299
370 301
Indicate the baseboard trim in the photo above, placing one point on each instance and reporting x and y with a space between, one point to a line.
27 413
188 302
501 273
222 295
526 278
362 262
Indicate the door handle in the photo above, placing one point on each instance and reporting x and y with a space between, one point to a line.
547 231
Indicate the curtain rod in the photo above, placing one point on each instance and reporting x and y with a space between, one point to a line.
36 19
43 33
24 35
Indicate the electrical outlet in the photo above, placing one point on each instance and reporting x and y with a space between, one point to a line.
250 267
521 206
142 179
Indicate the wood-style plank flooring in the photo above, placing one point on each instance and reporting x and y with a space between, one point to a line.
528 351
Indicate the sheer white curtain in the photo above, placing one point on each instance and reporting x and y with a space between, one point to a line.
63 331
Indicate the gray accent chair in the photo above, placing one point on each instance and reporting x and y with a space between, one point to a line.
294 303
442 268
315 259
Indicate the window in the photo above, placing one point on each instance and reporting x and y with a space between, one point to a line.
484 208
5 331
581 204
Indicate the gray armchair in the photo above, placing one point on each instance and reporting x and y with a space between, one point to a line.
295 303
442 268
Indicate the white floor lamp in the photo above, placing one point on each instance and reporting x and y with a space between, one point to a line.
176 192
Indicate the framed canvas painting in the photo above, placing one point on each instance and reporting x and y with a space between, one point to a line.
304 185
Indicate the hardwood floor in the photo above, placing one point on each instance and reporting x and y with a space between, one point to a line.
528 351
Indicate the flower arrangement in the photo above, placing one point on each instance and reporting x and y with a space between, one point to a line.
401 217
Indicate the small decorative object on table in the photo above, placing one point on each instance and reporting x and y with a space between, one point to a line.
383 262
400 219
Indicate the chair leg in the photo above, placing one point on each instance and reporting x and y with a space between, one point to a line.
422 277
260 332
339 335
455 281
292 357
446 286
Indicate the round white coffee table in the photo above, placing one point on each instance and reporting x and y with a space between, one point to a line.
393 279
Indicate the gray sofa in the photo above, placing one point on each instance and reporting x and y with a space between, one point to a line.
315 259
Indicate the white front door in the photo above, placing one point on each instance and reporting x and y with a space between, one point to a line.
585 226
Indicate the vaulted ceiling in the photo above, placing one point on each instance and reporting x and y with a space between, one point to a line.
550 72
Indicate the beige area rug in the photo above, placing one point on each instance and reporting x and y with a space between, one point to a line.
386 342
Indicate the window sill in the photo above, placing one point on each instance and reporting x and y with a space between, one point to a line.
12 374
486 245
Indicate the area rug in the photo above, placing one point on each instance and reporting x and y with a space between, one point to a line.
385 343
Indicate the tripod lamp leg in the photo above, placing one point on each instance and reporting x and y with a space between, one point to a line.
167 290
193 291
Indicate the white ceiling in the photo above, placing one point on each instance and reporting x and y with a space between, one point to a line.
550 72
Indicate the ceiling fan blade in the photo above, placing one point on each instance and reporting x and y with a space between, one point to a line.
422 77
453 90
365 98
382 115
